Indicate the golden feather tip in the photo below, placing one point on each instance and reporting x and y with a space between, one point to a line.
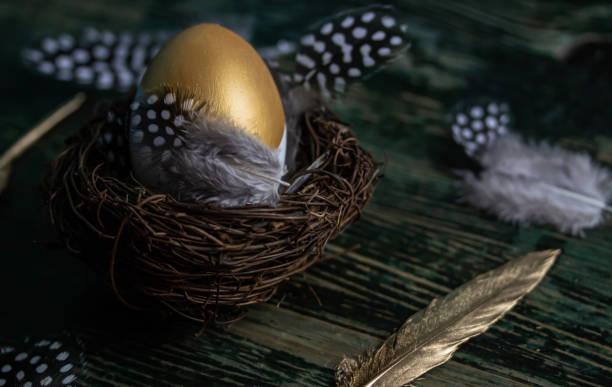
431 336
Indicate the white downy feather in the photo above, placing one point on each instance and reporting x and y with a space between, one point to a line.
539 183
219 164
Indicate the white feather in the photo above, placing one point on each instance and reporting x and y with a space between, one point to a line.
219 164
539 183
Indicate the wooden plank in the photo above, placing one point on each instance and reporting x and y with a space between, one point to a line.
416 240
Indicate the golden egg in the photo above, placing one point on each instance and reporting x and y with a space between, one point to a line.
217 66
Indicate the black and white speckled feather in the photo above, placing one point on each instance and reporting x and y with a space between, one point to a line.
112 142
526 182
338 51
475 124
158 121
349 47
48 362
101 59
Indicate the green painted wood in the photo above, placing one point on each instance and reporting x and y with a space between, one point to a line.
415 240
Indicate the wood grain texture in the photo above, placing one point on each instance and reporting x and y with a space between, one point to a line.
415 241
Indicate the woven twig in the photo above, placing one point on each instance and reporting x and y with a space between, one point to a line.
197 259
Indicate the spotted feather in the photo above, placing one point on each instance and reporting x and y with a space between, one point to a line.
112 141
53 362
101 59
477 123
348 47
157 123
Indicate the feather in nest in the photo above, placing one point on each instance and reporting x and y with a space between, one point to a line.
526 182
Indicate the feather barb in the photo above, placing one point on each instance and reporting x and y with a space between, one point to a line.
431 336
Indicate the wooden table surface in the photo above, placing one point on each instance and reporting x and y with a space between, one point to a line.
414 242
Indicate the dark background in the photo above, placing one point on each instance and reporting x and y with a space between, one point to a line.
416 241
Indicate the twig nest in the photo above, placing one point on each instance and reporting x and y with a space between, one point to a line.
208 188
199 258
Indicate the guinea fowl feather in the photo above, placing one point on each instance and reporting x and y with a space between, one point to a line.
526 182
57 361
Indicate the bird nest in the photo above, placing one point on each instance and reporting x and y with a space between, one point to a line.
203 261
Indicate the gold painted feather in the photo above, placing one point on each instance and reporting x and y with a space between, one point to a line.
431 336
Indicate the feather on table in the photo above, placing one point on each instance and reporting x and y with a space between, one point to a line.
526 182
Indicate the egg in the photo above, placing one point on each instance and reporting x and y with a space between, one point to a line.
204 71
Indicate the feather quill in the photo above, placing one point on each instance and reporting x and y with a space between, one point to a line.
431 336
297 183
525 182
